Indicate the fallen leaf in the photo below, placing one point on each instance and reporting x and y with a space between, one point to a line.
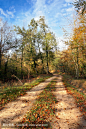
58 113
57 117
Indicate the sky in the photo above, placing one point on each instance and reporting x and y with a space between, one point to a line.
59 14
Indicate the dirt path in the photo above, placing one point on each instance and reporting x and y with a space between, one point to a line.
68 114
15 111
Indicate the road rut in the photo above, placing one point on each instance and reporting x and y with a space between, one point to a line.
16 110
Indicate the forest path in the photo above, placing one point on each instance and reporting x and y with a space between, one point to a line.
67 113
14 111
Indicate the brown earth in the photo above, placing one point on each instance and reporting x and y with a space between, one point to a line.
15 111
67 113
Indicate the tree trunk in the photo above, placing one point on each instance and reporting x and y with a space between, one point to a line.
35 67
47 61
21 69
21 65
77 65
42 64
16 66
0 52
77 71
5 70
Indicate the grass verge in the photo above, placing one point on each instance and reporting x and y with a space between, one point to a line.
42 109
9 93
79 97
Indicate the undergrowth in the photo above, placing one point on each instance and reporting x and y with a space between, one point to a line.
9 93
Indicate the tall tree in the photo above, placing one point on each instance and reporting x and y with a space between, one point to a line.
48 39
22 43
7 39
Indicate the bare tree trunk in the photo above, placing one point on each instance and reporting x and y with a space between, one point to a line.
77 71
21 64
42 64
0 52
35 67
1 48
16 66
47 62
77 65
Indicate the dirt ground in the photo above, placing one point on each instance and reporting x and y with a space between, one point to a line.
67 113
15 111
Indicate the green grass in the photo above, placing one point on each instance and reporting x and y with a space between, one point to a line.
42 109
11 93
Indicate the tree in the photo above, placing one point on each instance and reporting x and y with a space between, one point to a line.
28 41
48 40
37 43
80 6
7 39
74 59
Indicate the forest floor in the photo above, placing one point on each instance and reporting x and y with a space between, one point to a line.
47 104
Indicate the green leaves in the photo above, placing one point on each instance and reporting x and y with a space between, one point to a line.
80 6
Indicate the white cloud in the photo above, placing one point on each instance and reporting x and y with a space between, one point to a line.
3 13
39 5
7 14
65 5
12 9
54 13
38 14
70 9
10 13
63 10
70 1
57 15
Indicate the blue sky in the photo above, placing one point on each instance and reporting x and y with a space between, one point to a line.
58 14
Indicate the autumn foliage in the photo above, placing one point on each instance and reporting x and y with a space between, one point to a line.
73 60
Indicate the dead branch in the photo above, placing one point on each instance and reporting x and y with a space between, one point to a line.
17 79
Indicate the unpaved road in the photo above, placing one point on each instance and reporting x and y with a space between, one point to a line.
15 111
67 113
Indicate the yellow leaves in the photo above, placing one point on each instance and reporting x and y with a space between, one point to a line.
3 101
58 113
36 115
